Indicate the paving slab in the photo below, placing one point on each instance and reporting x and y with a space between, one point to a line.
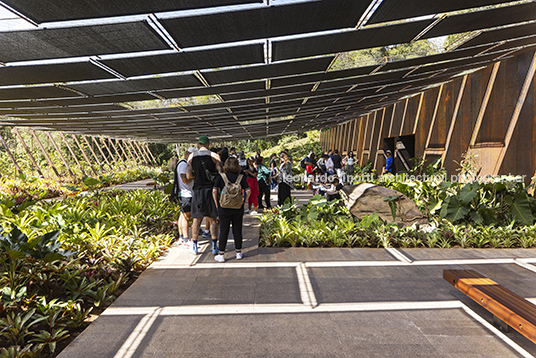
299 302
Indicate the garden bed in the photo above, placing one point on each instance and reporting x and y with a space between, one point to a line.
63 263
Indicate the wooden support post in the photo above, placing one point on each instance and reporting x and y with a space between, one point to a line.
454 116
118 153
127 158
140 159
128 152
125 143
103 141
144 155
72 153
10 155
101 151
484 105
59 153
16 131
150 154
432 123
136 149
85 156
45 153
93 152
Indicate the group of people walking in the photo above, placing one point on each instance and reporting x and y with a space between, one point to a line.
221 186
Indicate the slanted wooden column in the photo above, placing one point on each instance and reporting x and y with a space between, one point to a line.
144 150
93 152
10 155
118 153
149 151
85 156
142 153
131 146
16 131
45 153
129 152
59 153
101 151
103 141
127 157
72 153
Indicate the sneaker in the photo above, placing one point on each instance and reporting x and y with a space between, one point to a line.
219 258
254 213
181 241
246 211
206 233
215 250
239 255
193 248
186 243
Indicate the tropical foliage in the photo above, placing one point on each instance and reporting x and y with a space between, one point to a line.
63 261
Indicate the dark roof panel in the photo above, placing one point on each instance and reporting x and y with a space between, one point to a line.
311 78
261 23
79 41
135 85
187 61
491 36
391 10
267 71
348 40
205 91
54 73
482 19
61 10
265 93
34 93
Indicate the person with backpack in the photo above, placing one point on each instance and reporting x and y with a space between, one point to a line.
228 193
204 167
182 193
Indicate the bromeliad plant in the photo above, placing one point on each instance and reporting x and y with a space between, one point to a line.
61 261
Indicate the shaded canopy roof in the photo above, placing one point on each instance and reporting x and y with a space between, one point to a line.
267 63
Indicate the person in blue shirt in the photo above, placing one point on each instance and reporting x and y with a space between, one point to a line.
389 167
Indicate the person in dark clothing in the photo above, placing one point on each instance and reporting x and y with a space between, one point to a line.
230 216
389 163
286 180
337 163
204 165
224 155
263 178
333 192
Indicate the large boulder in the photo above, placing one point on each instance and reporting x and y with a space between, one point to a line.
366 199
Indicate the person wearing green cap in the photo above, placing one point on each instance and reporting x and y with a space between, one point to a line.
204 167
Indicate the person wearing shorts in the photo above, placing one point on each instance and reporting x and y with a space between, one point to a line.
185 196
204 166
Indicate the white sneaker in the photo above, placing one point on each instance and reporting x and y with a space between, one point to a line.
219 258
246 211
254 213
239 255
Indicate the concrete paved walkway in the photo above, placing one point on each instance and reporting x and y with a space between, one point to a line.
295 302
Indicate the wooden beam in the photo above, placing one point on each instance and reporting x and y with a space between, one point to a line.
418 113
85 156
130 152
117 152
101 151
10 155
16 131
153 160
379 139
392 120
141 153
103 142
484 105
517 110
454 116
45 153
93 152
72 153
403 117
120 145
59 153
138 158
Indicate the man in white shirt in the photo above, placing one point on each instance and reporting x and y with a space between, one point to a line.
185 198
330 166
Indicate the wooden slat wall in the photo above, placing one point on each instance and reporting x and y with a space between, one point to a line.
494 107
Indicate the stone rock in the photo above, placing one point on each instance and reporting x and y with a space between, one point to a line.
366 199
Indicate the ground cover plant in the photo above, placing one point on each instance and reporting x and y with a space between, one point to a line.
63 261
498 213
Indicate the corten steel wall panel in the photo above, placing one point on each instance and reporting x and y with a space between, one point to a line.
473 95
501 103
519 157
375 130
444 114
397 118
367 125
425 120
360 137
411 115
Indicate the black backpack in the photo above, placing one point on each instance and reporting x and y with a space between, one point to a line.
302 162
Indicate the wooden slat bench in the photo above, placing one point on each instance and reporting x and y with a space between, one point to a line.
504 304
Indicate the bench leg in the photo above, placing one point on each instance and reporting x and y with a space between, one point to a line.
497 322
